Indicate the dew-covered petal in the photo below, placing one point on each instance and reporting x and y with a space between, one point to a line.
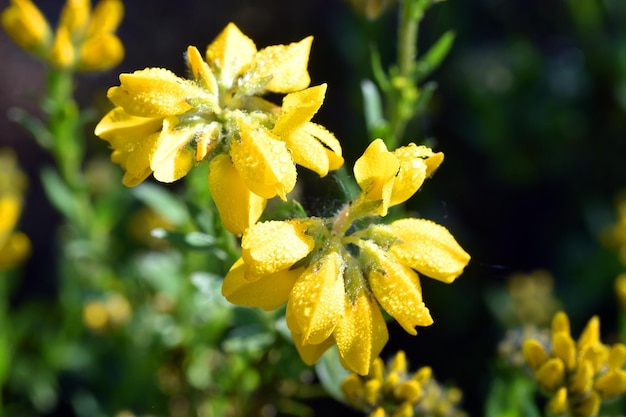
397 288
201 71
136 162
429 248
299 108
317 299
153 92
267 292
239 208
272 246
310 353
122 130
172 158
361 333
282 68
264 162
411 174
375 172
229 54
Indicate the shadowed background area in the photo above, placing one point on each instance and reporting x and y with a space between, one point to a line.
530 112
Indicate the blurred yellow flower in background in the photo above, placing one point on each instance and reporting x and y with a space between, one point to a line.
578 375
334 276
163 124
84 40
392 391
15 246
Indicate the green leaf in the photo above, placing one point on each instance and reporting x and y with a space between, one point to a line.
434 56
190 241
331 373
59 194
33 125
511 396
159 199
373 109
426 93
379 73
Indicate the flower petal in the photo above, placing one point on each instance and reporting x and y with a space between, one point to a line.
201 71
285 66
239 208
397 288
26 25
361 333
100 53
172 158
375 172
299 108
229 54
317 299
411 174
122 130
263 162
154 92
106 17
268 292
429 248
288 244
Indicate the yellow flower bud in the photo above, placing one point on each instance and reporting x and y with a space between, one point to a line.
551 374
27 26
534 353
558 403
409 391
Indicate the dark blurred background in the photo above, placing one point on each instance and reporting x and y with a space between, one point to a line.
530 112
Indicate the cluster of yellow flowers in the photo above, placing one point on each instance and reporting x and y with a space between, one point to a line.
84 40
334 272
331 276
392 392
14 245
164 124
577 375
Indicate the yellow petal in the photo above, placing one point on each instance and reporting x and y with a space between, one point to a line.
588 407
201 71
75 17
590 335
361 333
563 347
397 289
10 209
558 403
62 54
550 375
317 299
229 54
560 323
534 353
310 353
284 65
268 292
352 388
263 161
26 25
106 17
617 356
123 130
375 172
137 161
411 174
172 157
238 207
100 53
153 92
429 248
288 244
611 384
298 108
581 381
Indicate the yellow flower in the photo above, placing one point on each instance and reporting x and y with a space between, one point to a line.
14 246
578 375
392 391
84 40
27 26
335 278
163 124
